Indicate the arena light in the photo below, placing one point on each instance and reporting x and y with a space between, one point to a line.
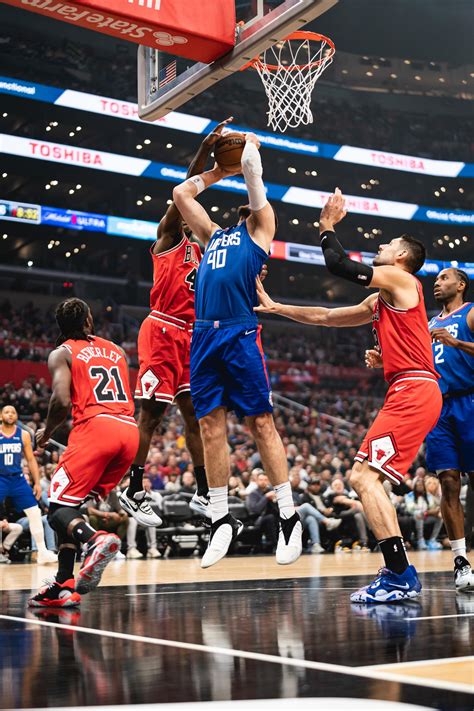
71 134
71 191
393 76
461 190
83 246
4 114
443 189
169 145
4 175
140 202
53 182
441 80
464 239
370 74
68 254
5 236
78 128
147 141
291 170
139 146
147 198
417 77
30 263
78 186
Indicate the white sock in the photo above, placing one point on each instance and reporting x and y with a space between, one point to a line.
36 527
459 547
285 500
219 502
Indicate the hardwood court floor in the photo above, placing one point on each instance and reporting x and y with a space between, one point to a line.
163 632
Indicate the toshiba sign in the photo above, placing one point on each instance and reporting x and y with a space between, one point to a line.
160 24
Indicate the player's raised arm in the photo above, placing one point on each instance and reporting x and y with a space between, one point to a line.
405 257
184 196
262 218
170 224
317 315
59 367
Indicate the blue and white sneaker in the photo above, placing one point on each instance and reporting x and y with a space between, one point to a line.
390 587
433 545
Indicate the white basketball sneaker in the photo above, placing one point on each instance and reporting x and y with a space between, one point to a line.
46 557
223 534
138 506
201 505
290 541
463 575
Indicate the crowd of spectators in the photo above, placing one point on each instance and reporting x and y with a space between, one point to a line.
73 65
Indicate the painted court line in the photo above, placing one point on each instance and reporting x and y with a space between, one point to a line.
231 590
422 662
237 653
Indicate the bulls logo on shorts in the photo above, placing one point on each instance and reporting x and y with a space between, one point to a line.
149 382
381 450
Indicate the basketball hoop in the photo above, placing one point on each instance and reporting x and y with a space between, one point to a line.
289 70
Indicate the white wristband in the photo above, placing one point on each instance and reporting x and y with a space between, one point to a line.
198 183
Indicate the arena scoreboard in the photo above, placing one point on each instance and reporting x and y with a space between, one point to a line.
20 211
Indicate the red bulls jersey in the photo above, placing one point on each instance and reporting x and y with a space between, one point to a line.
100 384
174 275
403 337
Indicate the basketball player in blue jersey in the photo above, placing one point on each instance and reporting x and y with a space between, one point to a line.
450 445
228 368
14 444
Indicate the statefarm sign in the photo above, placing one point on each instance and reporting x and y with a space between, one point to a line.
174 27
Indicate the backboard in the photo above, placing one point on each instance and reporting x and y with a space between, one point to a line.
166 82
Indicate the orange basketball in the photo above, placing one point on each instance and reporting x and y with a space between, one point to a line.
228 150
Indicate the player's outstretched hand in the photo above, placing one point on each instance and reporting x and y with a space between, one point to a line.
252 138
373 359
267 305
214 136
442 335
41 439
333 211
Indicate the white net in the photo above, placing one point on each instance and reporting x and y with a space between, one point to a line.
289 70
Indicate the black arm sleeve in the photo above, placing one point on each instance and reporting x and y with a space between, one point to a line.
339 263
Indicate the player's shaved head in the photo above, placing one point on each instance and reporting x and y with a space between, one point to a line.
74 319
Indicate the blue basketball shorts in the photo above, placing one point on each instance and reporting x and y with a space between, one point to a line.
18 490
228 368
450 444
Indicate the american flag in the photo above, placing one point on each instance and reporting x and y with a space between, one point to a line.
167 74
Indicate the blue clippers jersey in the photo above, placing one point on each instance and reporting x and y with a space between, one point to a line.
10 453
225 282
455 367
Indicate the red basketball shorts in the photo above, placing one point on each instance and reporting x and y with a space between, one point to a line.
98 454
163 354
411 409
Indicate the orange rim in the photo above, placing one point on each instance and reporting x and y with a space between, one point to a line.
299 35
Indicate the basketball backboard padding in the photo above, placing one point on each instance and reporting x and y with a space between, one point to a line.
254 38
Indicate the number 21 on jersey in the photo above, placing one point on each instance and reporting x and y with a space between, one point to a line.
109 387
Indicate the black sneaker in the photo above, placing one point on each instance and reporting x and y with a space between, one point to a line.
56 595
223 534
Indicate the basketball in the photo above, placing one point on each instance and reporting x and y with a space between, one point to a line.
228 150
